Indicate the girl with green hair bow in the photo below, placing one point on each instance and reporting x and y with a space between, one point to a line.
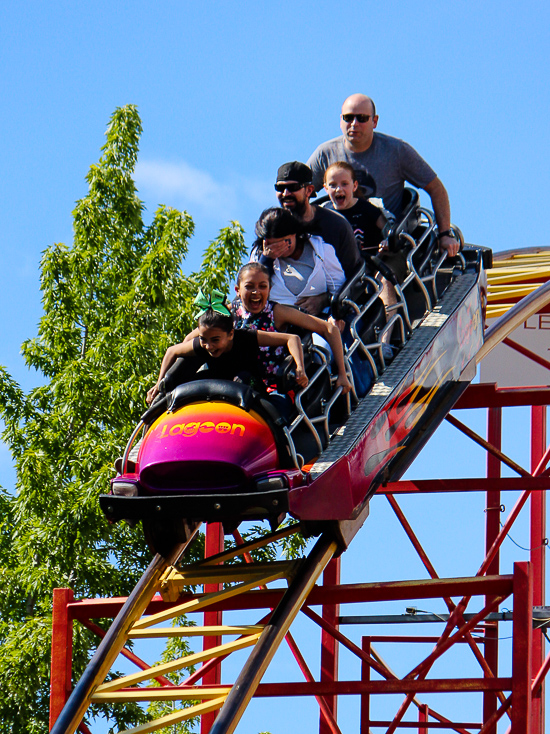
229 353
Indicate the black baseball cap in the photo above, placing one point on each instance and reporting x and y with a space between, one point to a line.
295 171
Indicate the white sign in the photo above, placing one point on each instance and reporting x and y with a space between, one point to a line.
508 368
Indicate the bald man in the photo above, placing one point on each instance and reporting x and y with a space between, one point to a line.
383 164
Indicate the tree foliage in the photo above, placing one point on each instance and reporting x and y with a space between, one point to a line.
113 301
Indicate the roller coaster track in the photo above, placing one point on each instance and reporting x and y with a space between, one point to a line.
142 611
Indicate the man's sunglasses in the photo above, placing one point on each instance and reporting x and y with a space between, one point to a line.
349 117
292 187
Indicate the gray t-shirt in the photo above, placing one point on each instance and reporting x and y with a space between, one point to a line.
296 273
381 169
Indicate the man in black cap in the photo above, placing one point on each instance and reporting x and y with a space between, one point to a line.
294 188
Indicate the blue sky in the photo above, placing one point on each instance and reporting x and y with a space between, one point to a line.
227 92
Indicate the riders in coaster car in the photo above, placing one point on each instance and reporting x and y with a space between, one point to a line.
217 450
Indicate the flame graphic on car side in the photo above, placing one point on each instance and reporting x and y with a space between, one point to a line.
392 426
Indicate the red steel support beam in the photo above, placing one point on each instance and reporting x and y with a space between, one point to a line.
483 569
521 648
329 645
406 685
541 675
412 537
213 543
343 594
446 641
365 697
459 726
496 716
368 661
62 652
487 445
490 671
423 712
492 527
538 558
512 517
351 646
354 687
326 713
488 395
470 484
527 353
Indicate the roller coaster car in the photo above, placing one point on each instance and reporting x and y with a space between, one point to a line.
218 451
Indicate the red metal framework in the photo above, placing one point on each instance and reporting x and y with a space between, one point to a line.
529 662
515 699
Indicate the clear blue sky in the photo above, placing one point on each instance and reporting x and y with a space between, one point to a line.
227 92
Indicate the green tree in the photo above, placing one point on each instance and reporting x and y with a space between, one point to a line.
113 302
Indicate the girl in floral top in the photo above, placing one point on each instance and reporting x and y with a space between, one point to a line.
253 310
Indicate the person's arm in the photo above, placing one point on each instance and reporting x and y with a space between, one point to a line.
442 210
381 222
313 304
191 336
326 329
183 349
294 346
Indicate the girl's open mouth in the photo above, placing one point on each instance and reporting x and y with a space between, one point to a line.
255 302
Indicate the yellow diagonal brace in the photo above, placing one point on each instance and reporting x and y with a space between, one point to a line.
176 717
212 630
250 545
161 694
174 582
183 662
195 604
228 574
198 603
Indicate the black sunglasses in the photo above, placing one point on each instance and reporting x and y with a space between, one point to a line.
349 117
292 187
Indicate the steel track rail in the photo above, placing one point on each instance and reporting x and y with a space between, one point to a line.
246 684
115 639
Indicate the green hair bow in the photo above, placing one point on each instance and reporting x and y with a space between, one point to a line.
215 301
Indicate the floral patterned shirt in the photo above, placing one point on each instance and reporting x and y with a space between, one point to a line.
272 357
